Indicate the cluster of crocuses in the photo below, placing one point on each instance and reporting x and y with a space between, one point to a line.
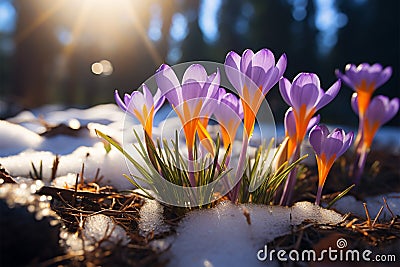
364 79
199 96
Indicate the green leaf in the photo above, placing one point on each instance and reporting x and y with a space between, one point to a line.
342 194
107 147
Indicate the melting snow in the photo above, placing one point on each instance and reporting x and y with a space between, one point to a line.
15 138
112 165
97 228
222 237
152 218
350 204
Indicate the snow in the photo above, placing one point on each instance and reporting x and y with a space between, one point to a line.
151 218
15 138
112 165
222 237
21 144
374 203
97 229
53 115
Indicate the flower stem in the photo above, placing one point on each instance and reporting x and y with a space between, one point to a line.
358 141
359 164
318 197
192 179
240 169
291 180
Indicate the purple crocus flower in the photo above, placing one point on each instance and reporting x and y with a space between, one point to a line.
193 101
229 115
142 105
364 79
328 147
379 111
253 75
306 96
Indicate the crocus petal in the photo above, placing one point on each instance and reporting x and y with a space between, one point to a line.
338 134
264 59
305 78
313 121
281 65
234 103
148 97
191 90
246 62
284 89
169 84
392 110
228 116
209 94
195 72
306 95
262 63
290 123
271 78
232 70
384 76
315 138
376 111
354 103
331 146
127 98
233 60
348 139
137 102
211 86
381 110
158 100
305 90
119 101
344 78
329 95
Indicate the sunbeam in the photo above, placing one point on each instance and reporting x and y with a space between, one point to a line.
39 21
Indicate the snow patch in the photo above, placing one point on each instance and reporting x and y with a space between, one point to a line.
222 237
350 204
112 165
152 218
97 228
15 138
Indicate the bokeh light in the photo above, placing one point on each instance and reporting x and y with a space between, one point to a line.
104 67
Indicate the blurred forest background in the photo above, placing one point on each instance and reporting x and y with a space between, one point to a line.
76 52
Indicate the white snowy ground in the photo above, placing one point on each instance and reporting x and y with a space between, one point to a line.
215 237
